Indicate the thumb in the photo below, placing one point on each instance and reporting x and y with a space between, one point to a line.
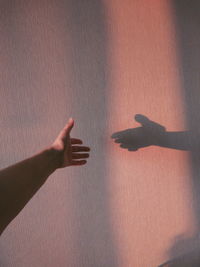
143 120
146 122
66 130
64 134
68 127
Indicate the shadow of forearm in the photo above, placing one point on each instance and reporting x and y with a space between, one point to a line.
178 140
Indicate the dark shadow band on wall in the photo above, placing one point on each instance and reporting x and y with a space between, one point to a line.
87 31
185 251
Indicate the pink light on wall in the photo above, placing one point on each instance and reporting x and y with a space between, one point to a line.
150 188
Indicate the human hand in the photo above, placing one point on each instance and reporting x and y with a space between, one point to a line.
67 148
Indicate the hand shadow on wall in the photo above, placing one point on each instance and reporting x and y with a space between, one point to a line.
151 133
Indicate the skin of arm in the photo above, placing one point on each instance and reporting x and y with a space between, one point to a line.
19 182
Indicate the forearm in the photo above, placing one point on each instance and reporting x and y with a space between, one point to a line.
19 182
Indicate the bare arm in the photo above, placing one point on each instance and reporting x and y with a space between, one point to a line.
19 182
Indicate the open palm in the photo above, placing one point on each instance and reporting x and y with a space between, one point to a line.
69 148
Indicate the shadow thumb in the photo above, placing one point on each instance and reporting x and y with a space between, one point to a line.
142 119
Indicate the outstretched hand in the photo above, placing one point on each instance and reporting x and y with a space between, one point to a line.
69 148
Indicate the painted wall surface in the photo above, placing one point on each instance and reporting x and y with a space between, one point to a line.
128 73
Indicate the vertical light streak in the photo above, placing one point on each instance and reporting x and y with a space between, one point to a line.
150 188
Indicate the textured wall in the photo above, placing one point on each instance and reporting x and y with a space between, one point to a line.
102 62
